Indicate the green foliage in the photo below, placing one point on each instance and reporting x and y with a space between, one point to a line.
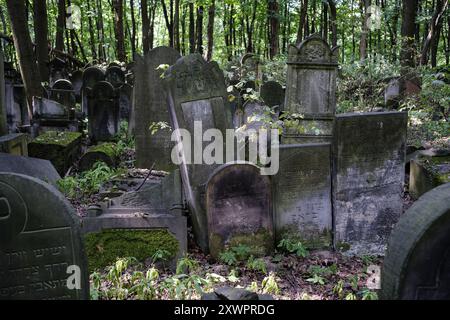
367 294
231 256
228 257
258 265
292 246
269 284
186 265
155 127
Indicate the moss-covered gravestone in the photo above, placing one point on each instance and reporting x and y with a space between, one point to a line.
41 252
417 262
105 152
61 148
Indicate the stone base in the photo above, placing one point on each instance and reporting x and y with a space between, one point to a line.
15 143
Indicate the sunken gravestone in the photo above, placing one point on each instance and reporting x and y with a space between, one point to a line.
150 107
197 96
369 162
417 262
239 210
103 112
40 244
311 91
302 194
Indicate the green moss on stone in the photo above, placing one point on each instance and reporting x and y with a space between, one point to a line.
58 138
343 246
108 148
103 248
317 241
260 243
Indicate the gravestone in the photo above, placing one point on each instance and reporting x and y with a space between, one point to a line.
3 121
91 76
369 162
103 112
50 109
125 101
239 208
63 92
272 94
115 75
150 106
417 262
40 242
33 167
302 194
14 143
77 81
196 92
392 93
58 70
311 90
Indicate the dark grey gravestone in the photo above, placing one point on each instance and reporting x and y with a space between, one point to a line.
125 101
196 92
302 194
272 94
369 162
33 167
150 106
91 76
40 239
3 122
45 108
103 112
417 262
62 92
239 209
77 82
115 75
311 89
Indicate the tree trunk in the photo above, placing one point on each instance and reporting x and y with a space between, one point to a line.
364 30
274 25
176 26
407 51
145 26
436 20
199 31
211 14
101 32
60 25
133 29
118 29
41 37
24 49
333 23
302 22
191 28
169 23
91 32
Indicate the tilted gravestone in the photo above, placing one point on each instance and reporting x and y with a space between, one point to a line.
369 160
115 75
302 194
150 106
62 92
41 248
197 93
103 112
239 211
91 76
272 93
311 90
417 262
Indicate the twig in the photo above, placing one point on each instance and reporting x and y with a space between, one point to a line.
146 178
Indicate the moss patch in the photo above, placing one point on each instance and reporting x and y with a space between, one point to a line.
108 148
103 248
58 138
312 241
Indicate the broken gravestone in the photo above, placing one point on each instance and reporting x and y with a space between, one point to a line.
150 107
238 204
302 195
41 252
103 112
417 262
311 90
368 181
197 97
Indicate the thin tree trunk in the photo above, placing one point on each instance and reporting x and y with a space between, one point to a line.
302 22
91 32
333 22
409 15
364 30
176 26
41 37
199 31
145 26
24 49
274 26
191 28
118 29
169 23
441 6
133 29
60 25
211 14
101 32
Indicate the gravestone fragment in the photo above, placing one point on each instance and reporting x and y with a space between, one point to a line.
302 194
150 107
125 101
103 112
239 211
417 262
311 90
368 182
41 248
77 81
272 94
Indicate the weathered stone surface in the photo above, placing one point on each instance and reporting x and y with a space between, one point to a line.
37 168
392 93
125 101
77 81
16 106
103 112
150 106
196 92
15 143
49 109
115 75
272 94
39 233
239 208
368 180
302 194
62 92
105 152
428 171
61 148
229 293
91 76
417 260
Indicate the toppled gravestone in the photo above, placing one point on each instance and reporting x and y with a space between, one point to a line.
417 262
40 243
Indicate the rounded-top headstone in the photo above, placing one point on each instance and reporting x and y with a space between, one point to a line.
116 76
62 91
103 90
41 252
417 262
91 76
